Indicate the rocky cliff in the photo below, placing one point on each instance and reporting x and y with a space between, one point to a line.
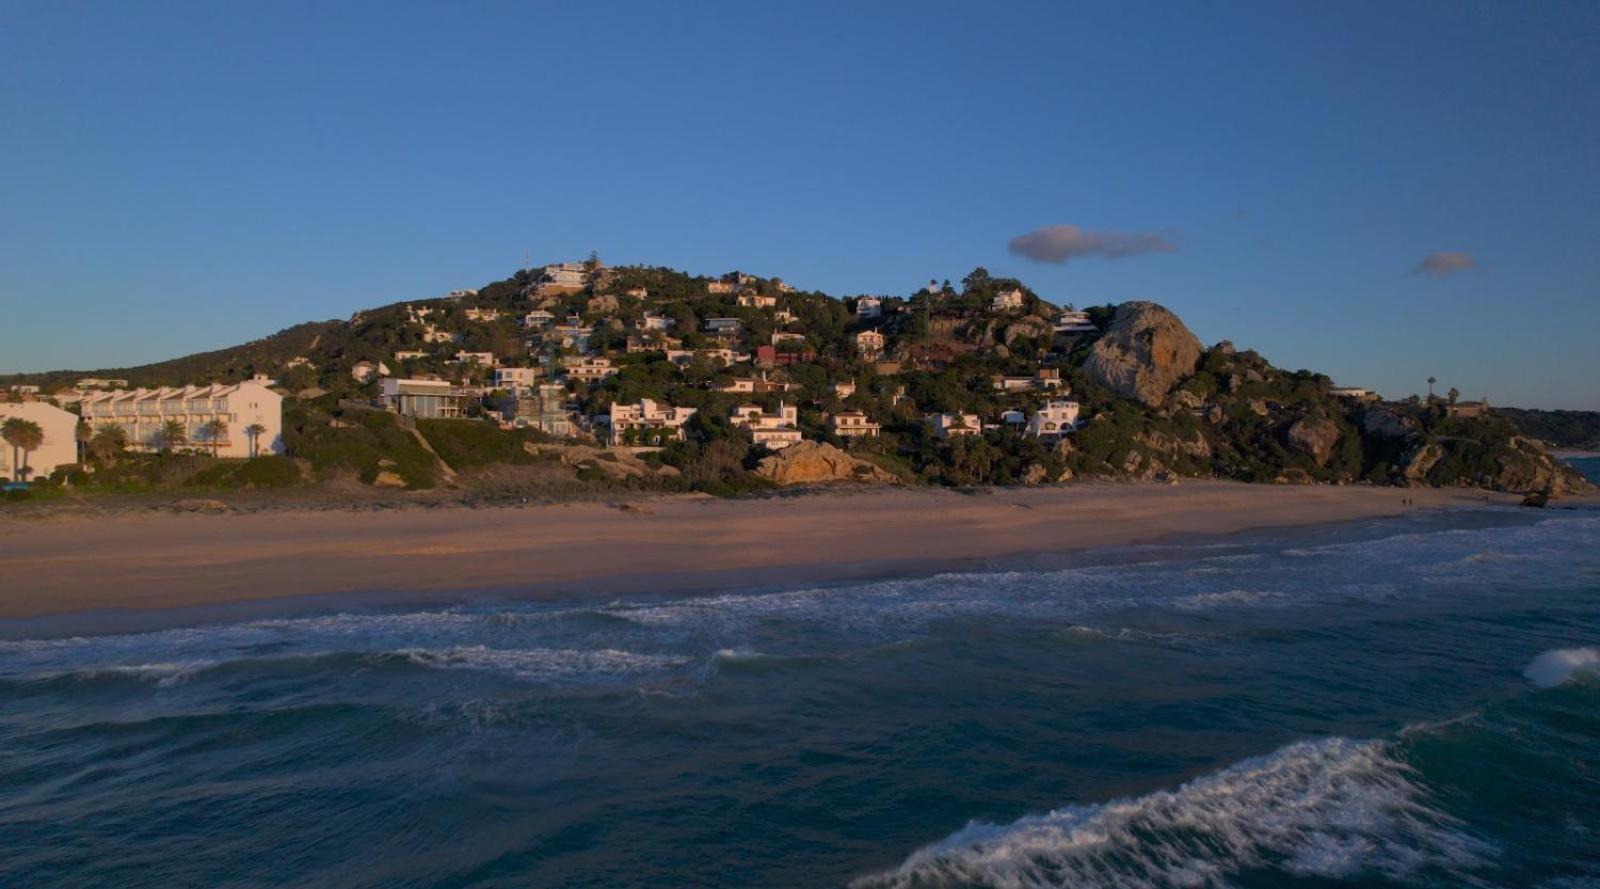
1144 354
815 462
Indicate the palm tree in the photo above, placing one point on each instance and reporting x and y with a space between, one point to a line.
215 430
171 435
1431 381
82 434
254 431
108 441
24 436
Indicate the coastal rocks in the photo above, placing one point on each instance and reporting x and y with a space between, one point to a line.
1144 353
1035 474
1382 423
1529 469
1419 461
388 478
1313 436
612 463
197 504
815 462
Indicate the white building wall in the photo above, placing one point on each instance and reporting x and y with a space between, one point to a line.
60 445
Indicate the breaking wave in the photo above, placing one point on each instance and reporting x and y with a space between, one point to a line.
1558 665
1328 809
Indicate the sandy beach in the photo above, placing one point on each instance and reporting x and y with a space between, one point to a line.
149 561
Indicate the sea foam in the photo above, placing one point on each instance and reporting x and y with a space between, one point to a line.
1560 664
1330 809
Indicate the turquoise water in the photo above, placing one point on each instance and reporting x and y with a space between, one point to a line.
1407 702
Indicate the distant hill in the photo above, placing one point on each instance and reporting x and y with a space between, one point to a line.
1563 429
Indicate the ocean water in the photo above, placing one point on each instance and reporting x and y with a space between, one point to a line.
1405 702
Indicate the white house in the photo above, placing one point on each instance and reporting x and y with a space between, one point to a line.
647 417
757 301
776 430
953 425
845 389
719 287
651 321
364 371
486 359
477 314
724 326
429 399
1007 300
538 318
142 413
869 307
588 369
852 424
59 448
782 285
409 354
1074 322
1056 419
515 378
431 334
565 276
869 343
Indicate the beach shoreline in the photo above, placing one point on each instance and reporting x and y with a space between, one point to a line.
74 574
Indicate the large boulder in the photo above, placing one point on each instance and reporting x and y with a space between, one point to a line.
1144 353
1313 436
815 462
1382 423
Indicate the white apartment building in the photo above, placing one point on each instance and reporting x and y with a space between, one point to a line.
59 448
852 424
647 417
143 412
564 276
1056 419
776 430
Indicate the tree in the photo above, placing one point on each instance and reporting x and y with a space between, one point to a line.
215 430
82 434
1431 381
171 435
24 436
254 432
1452 395
108 442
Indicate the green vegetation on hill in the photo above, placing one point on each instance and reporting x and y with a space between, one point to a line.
1563 429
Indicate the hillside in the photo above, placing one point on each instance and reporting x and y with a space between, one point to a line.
1563 429
987 355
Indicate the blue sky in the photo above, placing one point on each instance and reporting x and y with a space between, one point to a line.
177 177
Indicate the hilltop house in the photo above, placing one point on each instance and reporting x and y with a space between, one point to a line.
852 424
869 343
757 301
771 356
565 277
538 319
1007 300
543 407
845 389
364 371
1048 378
954 425
645 419
869 307
651 321
1072 323
59 447
485 359
719 287
142 413
724 327
477 314
782 286
776 430
1055 420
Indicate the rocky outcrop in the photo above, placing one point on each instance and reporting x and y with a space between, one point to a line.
815 462
1144 353
616 463
1313 436
1382 423
1419 461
